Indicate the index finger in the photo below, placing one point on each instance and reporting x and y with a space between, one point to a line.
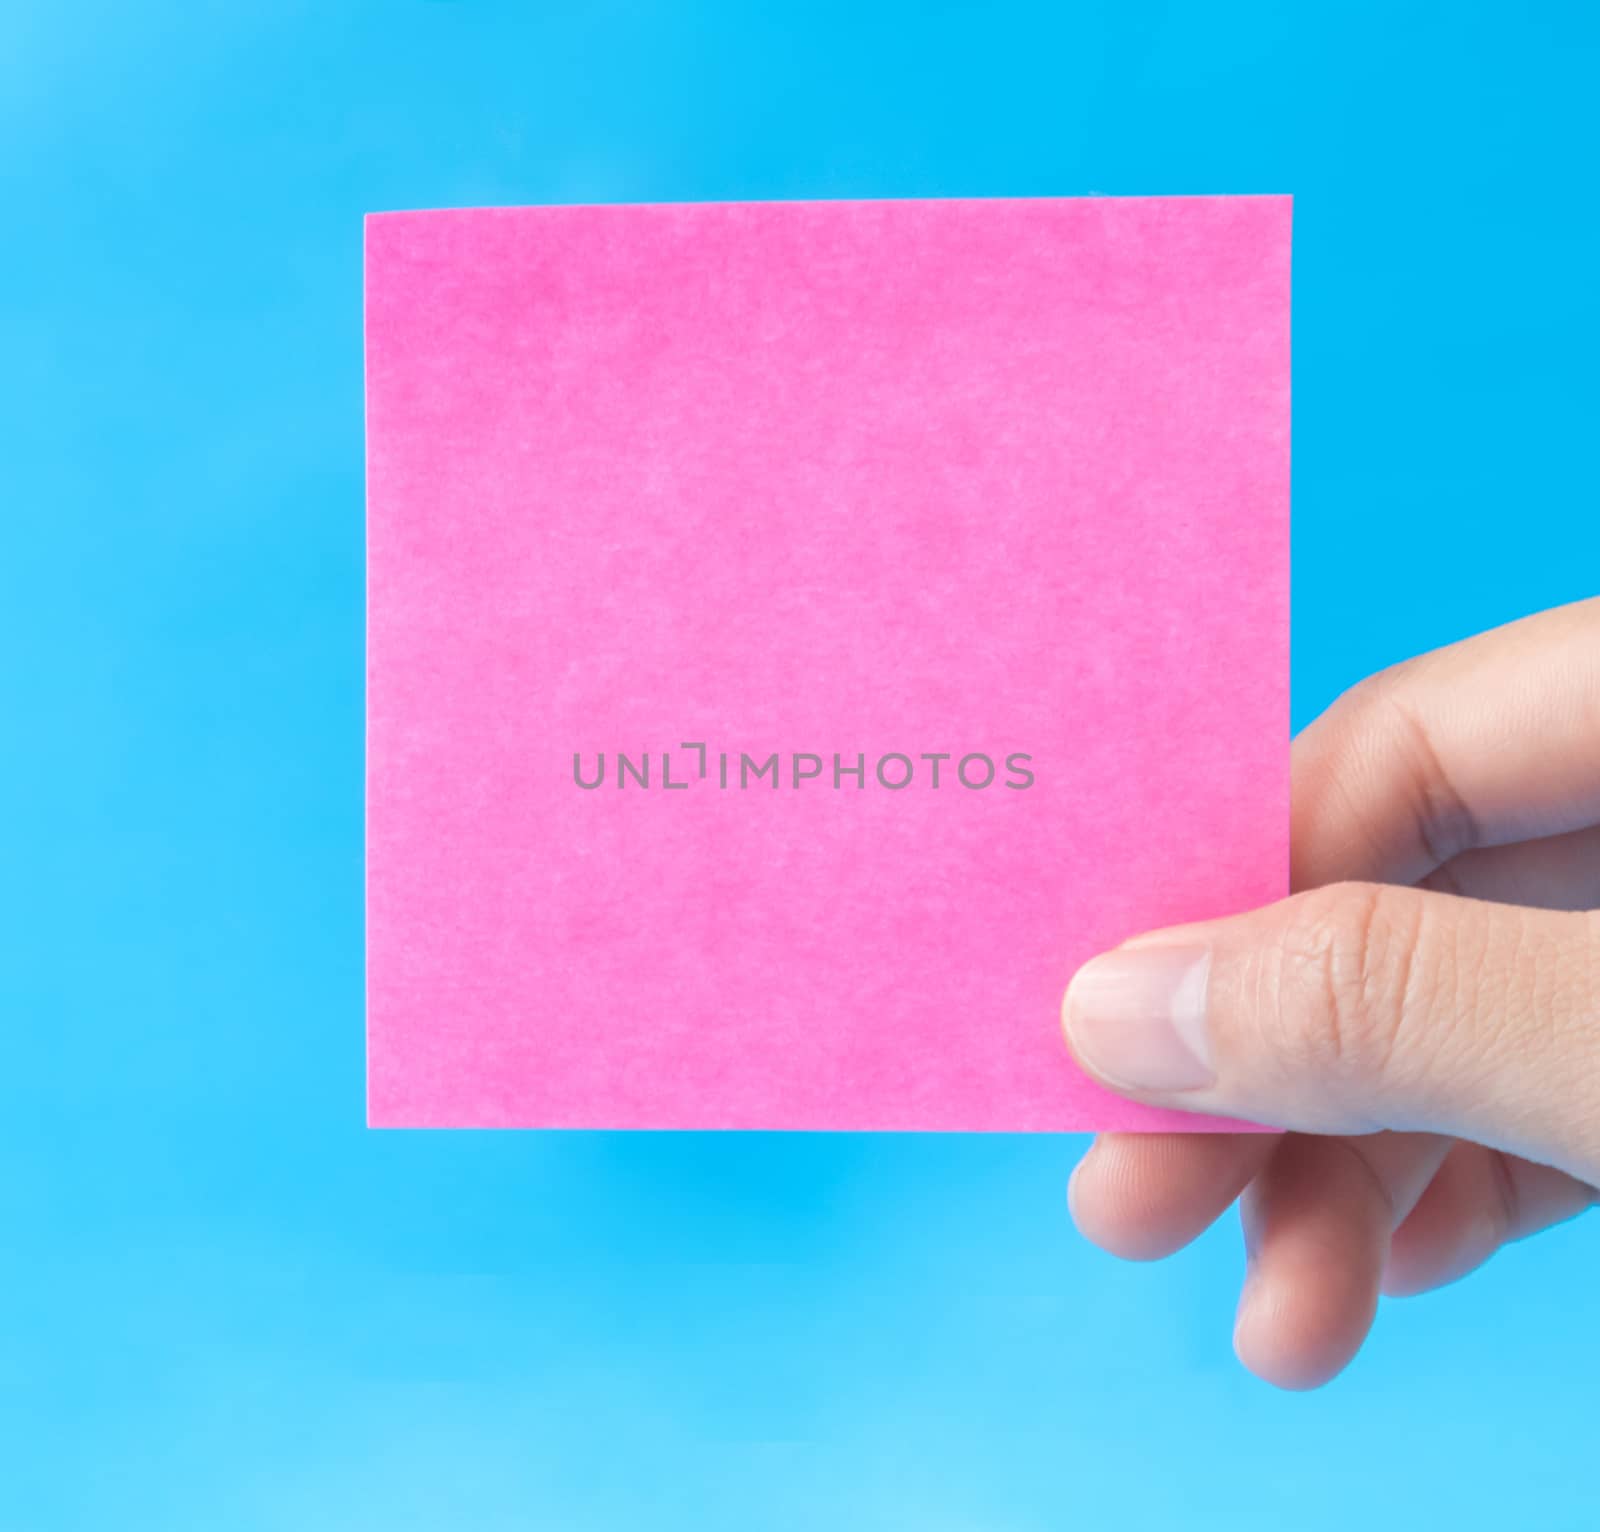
1485 742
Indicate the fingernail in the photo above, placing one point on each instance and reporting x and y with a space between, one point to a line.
1136 1017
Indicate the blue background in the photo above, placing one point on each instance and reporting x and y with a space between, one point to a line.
227 1304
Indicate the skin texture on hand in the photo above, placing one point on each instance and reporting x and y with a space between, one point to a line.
1421 1017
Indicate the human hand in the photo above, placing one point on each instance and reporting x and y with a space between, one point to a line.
1422 1015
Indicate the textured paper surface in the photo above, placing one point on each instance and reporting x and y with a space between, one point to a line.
859 479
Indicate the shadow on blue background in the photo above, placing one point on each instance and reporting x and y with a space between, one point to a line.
226 1303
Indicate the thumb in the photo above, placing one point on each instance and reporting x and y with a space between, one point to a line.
1356 1007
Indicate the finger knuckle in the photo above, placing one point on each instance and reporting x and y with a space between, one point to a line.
1349 976
1388 712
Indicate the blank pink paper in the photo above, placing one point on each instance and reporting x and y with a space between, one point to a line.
799 636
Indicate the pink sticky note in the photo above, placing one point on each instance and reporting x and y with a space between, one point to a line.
817 500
